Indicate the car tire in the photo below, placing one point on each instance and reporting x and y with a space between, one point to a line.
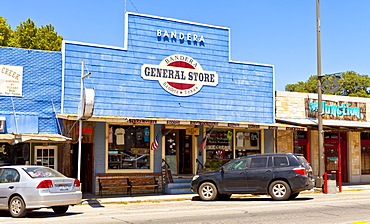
279 190
224 196
17 207
207 191
60 209
294 195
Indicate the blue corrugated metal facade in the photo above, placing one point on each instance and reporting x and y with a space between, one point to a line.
125 88
42 81
244 92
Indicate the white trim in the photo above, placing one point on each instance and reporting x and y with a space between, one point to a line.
250 63
63 74
55 157
179 20
94 45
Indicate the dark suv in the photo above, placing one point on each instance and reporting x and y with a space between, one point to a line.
283 176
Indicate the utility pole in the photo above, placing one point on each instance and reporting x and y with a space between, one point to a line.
319 179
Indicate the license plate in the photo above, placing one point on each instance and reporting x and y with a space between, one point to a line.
64 187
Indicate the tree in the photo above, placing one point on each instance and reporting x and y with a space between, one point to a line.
350 82
5 32
28 35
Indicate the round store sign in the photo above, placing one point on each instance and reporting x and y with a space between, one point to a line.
179 75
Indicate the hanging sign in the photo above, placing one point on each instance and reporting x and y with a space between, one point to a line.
180 75
11 80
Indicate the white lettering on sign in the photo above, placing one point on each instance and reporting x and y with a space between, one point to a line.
181 36
180 75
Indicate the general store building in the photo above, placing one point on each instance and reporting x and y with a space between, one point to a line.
174 80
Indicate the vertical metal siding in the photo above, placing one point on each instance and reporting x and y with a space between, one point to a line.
244 92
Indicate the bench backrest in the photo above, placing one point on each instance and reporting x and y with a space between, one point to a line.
140 181
114 182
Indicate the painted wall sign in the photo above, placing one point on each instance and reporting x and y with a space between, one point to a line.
173 35
11 80
179 75
337 110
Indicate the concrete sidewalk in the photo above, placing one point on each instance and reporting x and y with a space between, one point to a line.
93 200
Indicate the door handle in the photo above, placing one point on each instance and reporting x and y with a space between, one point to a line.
11 187
268 171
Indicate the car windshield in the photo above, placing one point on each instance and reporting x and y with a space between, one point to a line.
40 172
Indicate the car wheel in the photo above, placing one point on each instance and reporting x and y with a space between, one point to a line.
279 190
292 196
207 191
17 207
224 196
60 209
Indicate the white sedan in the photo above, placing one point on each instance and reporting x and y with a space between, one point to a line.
26 188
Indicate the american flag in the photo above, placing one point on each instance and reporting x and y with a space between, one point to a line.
155 143
204 141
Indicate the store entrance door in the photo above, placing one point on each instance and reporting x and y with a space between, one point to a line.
335 142
185 153
87 166
178 151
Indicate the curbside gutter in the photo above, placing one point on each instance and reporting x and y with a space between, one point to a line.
95 201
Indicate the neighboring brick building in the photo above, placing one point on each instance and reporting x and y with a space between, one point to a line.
347 131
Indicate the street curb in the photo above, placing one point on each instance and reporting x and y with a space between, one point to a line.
95 201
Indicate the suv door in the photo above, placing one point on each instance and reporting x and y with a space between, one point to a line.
233 176
259 173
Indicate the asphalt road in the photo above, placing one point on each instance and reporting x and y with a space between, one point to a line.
347 207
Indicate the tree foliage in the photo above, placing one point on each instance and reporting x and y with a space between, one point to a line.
350 84
28 35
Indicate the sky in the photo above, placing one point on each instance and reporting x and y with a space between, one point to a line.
277 32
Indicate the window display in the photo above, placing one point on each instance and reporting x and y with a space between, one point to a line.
128 147
18 154
365 160
247 142
219 144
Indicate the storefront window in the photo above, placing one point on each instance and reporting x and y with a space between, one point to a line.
365 152
14 154
365 160
247 142
219 144
128 147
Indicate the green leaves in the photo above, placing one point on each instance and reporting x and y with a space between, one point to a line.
28 35
350 82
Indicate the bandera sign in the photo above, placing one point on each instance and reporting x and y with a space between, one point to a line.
179 75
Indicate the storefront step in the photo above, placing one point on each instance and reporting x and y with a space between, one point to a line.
179 186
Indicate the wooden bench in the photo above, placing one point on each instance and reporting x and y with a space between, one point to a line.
140 182
105 183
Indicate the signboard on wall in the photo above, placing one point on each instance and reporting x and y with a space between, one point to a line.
11 80
179 75
337 110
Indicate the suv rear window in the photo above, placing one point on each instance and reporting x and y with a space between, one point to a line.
280 161
303 161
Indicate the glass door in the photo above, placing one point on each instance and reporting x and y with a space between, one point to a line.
46 156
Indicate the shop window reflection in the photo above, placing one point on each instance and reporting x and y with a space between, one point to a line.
128 147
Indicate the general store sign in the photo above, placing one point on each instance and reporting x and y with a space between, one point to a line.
340 110
11 80
179 75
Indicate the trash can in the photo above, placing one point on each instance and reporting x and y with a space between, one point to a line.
332 183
